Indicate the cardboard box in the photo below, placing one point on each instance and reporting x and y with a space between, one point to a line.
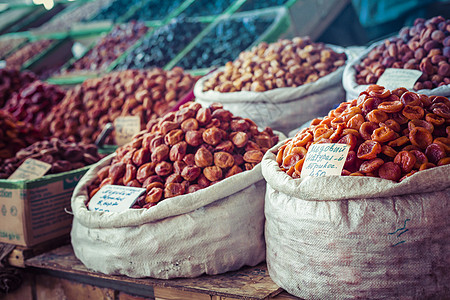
33 211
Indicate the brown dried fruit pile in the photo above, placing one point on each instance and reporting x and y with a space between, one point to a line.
15 135
185 151
391 135
424 46
62 155
87 108
11 81
34 101
286 63
27 52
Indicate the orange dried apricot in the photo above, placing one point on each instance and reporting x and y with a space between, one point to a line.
368 150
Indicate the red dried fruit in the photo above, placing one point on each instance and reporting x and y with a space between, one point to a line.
413 112
366 129
383 134
405 160
434 153
348 139
371 166
391 106
420 123
377 116
420 158
420 137
410 98
173 190
145 171
368 150
390 171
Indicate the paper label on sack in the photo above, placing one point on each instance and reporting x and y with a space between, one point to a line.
30 169
125 128
325 160
395 78
115 198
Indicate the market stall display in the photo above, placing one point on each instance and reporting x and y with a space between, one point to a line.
229 37
363 236
11 81
200 165
162 45
34 101
199 178
286 63
280 85
62 155
109 48
392 135
9 44
72 14
87 108
424 47
185 151
17 59
15 135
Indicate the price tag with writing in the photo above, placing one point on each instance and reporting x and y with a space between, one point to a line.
115 198
78 50
30 169
325 160
393 78
125 128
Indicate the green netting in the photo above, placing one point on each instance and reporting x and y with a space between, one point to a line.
280 24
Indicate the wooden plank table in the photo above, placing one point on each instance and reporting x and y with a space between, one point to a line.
19 254
246 283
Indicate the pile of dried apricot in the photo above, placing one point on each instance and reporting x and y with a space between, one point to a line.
392 134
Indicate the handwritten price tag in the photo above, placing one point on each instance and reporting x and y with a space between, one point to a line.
115 198
325 160
394 78
30 169
125 128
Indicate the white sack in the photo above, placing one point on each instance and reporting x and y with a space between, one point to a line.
342 237
353 89
212 231
281 109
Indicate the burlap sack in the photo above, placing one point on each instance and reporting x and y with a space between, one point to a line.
358 237
214 230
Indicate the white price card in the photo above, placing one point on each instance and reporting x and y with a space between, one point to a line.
78 50
30 169
325 160
125 128
394 78
115 198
